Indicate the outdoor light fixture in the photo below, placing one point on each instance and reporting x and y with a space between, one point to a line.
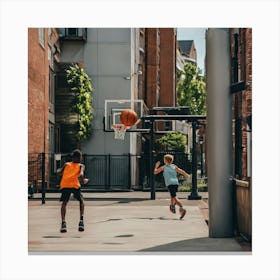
128 78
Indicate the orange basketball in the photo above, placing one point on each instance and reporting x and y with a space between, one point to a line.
128 117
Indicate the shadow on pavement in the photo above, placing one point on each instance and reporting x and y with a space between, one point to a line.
199 245
113 199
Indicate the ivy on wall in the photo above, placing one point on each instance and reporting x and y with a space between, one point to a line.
80 84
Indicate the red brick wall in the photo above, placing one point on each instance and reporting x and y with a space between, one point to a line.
242 107
246 66
152 67
192 53
242 102
246 71
167 67
38 92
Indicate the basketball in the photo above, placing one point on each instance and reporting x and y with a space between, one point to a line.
128 117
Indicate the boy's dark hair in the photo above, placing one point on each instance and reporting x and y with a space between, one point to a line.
76 154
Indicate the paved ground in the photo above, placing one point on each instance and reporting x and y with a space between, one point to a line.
124 223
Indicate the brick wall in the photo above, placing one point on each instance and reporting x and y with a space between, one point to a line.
152 67
38 92
167 67
192 53
39 115
247 95
242 101
241 109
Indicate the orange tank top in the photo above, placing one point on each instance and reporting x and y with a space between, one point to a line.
70 176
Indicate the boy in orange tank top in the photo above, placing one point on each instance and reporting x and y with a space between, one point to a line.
71 172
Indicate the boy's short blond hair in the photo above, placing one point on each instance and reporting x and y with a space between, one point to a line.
169 158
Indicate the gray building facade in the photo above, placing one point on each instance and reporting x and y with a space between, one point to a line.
108 55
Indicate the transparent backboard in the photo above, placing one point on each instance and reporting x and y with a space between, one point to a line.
114 108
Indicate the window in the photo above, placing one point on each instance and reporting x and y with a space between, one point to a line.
49 32
72 31
57 138
42 37
50 57
52 90
51 137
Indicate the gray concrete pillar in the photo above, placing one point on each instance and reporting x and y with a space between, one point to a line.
219 132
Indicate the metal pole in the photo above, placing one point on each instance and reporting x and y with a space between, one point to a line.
194 195
152 183
109 172
129 171
43 179
219 132
201 159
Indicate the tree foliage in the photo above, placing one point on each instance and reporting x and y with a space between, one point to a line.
191 89
172 142
80 84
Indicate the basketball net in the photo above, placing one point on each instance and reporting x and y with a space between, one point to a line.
119 130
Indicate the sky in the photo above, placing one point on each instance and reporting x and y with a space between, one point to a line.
198 35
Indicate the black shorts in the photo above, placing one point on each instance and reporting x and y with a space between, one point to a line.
66 192
172 190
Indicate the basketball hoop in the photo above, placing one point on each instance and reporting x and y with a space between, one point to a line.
119 130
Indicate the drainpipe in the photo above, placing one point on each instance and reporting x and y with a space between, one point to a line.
219 132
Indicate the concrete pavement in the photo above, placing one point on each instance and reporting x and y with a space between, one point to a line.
123 223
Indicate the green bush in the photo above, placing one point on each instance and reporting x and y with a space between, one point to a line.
187 188
172 142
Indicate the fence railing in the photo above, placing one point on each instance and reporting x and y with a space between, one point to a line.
105 172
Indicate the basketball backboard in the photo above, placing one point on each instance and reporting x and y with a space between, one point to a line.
114 108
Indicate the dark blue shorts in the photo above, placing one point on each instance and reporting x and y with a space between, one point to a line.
172 190
66 193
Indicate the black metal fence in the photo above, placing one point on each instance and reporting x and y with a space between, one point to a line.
105 172
108 172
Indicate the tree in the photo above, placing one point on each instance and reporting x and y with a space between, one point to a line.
173 142
81 86
191 89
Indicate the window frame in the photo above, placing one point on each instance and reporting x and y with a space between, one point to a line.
41 34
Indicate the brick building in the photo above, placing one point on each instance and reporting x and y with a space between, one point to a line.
167 67
38 90
188 50
43 50
160 67
152 67
241 51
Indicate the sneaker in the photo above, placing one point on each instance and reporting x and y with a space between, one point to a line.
183 213
63 227
81 225
172 209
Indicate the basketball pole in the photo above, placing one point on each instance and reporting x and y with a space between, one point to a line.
194 194
152 181
219 133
